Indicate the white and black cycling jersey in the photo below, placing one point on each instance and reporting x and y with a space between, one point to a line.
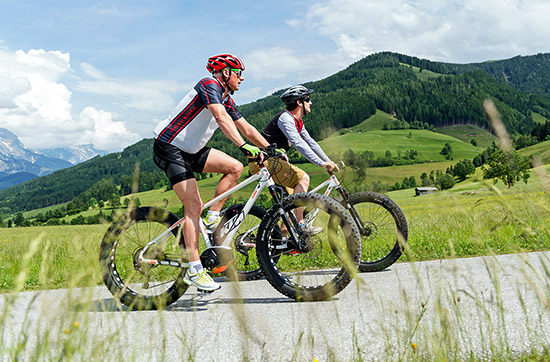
191 125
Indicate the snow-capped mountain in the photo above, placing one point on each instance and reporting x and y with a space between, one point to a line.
73 155
18 164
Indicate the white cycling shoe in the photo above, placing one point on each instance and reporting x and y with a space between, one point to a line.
201 280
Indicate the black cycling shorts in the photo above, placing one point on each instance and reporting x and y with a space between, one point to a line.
177 164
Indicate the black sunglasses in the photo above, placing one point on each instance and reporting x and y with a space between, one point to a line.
239 72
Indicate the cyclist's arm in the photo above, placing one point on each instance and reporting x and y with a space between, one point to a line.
226 123
328 163
314 145
251 133
291 133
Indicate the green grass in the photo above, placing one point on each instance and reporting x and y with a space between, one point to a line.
422 75
373 123
540 151
427 143
465 133
473 218
539 118
59 256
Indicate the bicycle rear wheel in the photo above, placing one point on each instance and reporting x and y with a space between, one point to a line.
328 260
383 228
140 285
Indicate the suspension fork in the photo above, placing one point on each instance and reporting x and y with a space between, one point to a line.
353 212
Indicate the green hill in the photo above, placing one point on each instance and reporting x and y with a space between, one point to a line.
540 151
428 144
375 122
466 133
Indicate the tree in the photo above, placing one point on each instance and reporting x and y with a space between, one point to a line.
19 220
463 168
508 166
473 141
114 200
447 151
445 181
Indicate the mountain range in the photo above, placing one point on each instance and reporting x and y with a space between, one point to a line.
419 93
19 164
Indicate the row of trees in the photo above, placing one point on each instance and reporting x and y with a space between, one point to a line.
57 216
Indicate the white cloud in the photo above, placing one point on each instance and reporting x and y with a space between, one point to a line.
105 133
468 30
141 95
35 104
272 63
92 71
277 63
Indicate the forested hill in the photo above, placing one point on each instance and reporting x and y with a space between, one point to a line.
529 74
418 92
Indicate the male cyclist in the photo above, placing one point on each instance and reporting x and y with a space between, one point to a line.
179 150
287 129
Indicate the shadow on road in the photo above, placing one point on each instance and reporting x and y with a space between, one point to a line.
196 302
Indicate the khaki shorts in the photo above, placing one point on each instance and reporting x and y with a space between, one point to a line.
284 174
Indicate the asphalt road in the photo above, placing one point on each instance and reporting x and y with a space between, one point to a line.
485 307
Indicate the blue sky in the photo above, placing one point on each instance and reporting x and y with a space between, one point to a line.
74 72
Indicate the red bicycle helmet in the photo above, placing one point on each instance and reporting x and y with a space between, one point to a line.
219 62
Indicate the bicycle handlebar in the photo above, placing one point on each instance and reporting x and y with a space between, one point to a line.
270 151
340 165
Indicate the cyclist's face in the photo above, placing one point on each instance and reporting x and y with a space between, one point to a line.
235 80
307 105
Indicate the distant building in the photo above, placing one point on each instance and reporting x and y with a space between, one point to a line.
425 190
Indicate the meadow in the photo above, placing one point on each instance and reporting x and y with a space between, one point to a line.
474 218
427 143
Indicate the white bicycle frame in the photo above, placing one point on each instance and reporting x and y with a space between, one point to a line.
230 227
330 184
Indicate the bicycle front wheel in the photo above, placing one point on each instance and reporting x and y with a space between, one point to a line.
140 285
383 228
326 260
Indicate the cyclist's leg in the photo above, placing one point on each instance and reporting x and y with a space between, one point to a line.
292 178
219 162
188 193
179 167
302 186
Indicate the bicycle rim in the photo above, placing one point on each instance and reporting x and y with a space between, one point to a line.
140 285
384 230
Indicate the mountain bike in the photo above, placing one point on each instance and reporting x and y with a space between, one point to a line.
381 223
143 258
